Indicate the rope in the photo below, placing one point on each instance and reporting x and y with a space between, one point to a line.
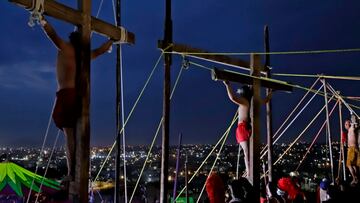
287 127
201 165
328 131
47 166
41 151
131 111
324 51
302 133
348 106
238 162
154 139
273 80
341 143
212 167
316 137
99 9
36 12
318 76
293 111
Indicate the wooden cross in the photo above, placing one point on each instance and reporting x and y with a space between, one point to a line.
86 24
256 70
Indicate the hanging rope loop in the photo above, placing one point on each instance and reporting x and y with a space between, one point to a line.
185 63
36 13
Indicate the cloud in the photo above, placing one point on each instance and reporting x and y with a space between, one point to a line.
27 74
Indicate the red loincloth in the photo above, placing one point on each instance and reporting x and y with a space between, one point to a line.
243 132
64 114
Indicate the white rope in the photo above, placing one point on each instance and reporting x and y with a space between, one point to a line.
303 132
154 138
47 166
114 12
342 100
328 131
41 151
297 115
123 121
292 112
122 103
238 162
213 166
36 12
99 9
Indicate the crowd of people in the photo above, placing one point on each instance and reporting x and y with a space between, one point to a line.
287 189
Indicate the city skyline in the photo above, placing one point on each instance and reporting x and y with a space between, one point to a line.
200 107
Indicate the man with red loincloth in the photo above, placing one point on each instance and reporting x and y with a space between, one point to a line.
66 109
243 131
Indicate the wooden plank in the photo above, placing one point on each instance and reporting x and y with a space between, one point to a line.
83 123
220 59
255 137
70 15
269 123
217 74
166 107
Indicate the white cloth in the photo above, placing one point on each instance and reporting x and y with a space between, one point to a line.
324 195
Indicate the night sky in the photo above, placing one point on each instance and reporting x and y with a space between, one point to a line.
200 107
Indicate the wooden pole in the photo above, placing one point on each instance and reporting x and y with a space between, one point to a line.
255 137
177 167
341 143
166 106
186 179
328 130
79 191
118 113
269 131
238 162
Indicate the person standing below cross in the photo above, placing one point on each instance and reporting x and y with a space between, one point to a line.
66 109
352 152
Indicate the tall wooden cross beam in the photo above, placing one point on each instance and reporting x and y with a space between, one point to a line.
86 24
256 70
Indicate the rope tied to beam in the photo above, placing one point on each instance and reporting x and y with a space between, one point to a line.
36 12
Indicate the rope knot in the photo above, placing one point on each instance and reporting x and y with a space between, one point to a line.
36 13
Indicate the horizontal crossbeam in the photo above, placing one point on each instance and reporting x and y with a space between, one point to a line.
70 15
220 59
217 74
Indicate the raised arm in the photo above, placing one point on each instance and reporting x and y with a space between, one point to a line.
102 49
53 36
232 97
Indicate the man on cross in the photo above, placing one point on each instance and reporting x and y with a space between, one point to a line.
353 152
243 131
66 109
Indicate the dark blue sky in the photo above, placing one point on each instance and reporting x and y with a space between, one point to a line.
201 109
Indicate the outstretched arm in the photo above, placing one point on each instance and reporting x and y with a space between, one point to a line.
102 49
51 33
232 97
